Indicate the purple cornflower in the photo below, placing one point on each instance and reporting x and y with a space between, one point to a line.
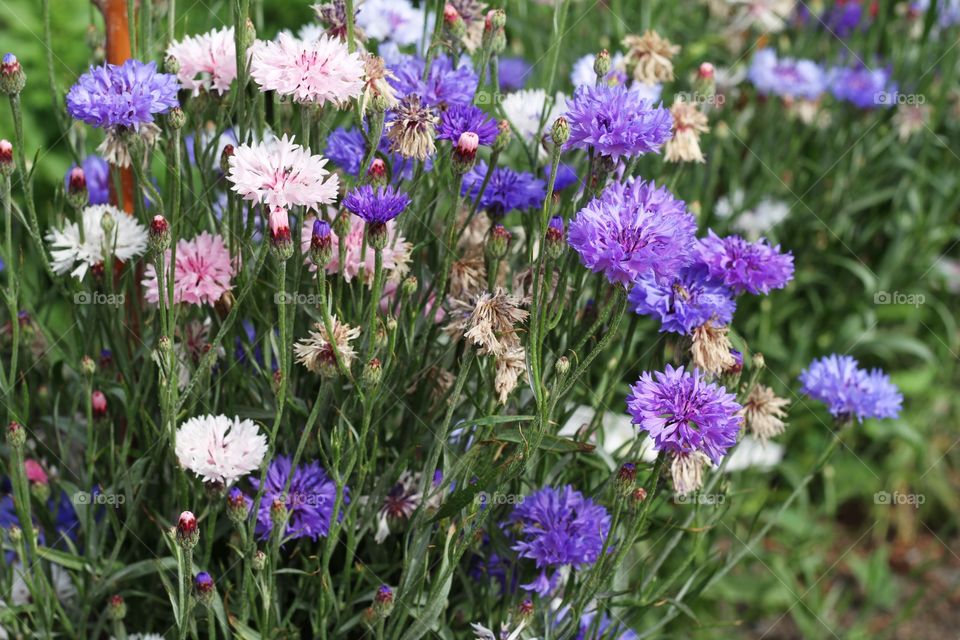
559 527
127 95
685 414
376 206
863 87
746 266
461 118
685 302
506 191
616 122
566 176
447 83
513 73
631 230
786 77
346 148
604 628
309 500
847 390
96 171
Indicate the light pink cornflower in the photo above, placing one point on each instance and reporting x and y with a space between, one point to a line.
319 71
281 174
35 472
202 271
207 61
359 258
220 449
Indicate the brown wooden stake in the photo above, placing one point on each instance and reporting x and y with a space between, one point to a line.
119 50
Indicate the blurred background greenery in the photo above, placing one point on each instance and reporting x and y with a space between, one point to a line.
869 213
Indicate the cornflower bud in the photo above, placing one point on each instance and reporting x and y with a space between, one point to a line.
238 507
6 158
383 601
321 245
158 239
116 608
525 609
377 173
259 561
171 65
601 64
12 77
188 533
499 242
16 435
204 588
225 155
77 195
503 136
372 373
176 118
99 404
561 131
556 238
465 152
87 366
626 477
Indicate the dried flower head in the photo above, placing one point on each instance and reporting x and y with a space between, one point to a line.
413 130
763 412
489 321
711 348
649 57
376 83
509 366
686 471
320 350
688 124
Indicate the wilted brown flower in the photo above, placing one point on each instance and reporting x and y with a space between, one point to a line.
711 348
488 321
316 351
688 124
763 412
649 57
413 130
510 365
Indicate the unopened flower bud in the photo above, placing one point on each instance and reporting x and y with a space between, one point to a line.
556 238
171 65
16 435
12 77
281 244
383 601
159 236
15 534
626 476
639 495
204 588
40 491
321 244
238 506
176 118
758 361
116 608
503 136
225 155
99 404
499 242
561 131
525 610
453 22
409 286
87 366
259 561
278 516
601 64
6 158
108 224
188 533
248 35
372 374
465 152
342 224
77 195
377 173
705 71
563 365
376 235
379 103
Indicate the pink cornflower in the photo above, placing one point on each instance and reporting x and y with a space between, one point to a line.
35 472
359 258
318 71
281 174
207 61
202 271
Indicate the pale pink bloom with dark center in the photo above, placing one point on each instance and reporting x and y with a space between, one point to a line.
281 174
207 61
202 272
318 71
360 258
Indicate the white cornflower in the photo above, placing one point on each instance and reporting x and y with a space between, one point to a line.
758 221
219 449
74 252
524 108
395 20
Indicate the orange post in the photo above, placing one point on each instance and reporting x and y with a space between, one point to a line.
119 51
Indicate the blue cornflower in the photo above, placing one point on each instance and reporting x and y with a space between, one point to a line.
127 95
559 527
685 414
96 171
848 391
616 122
685 302
631 230
376 206
745 266
448 83
309 500
513 73
506 191
786 77
461 118
863 87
